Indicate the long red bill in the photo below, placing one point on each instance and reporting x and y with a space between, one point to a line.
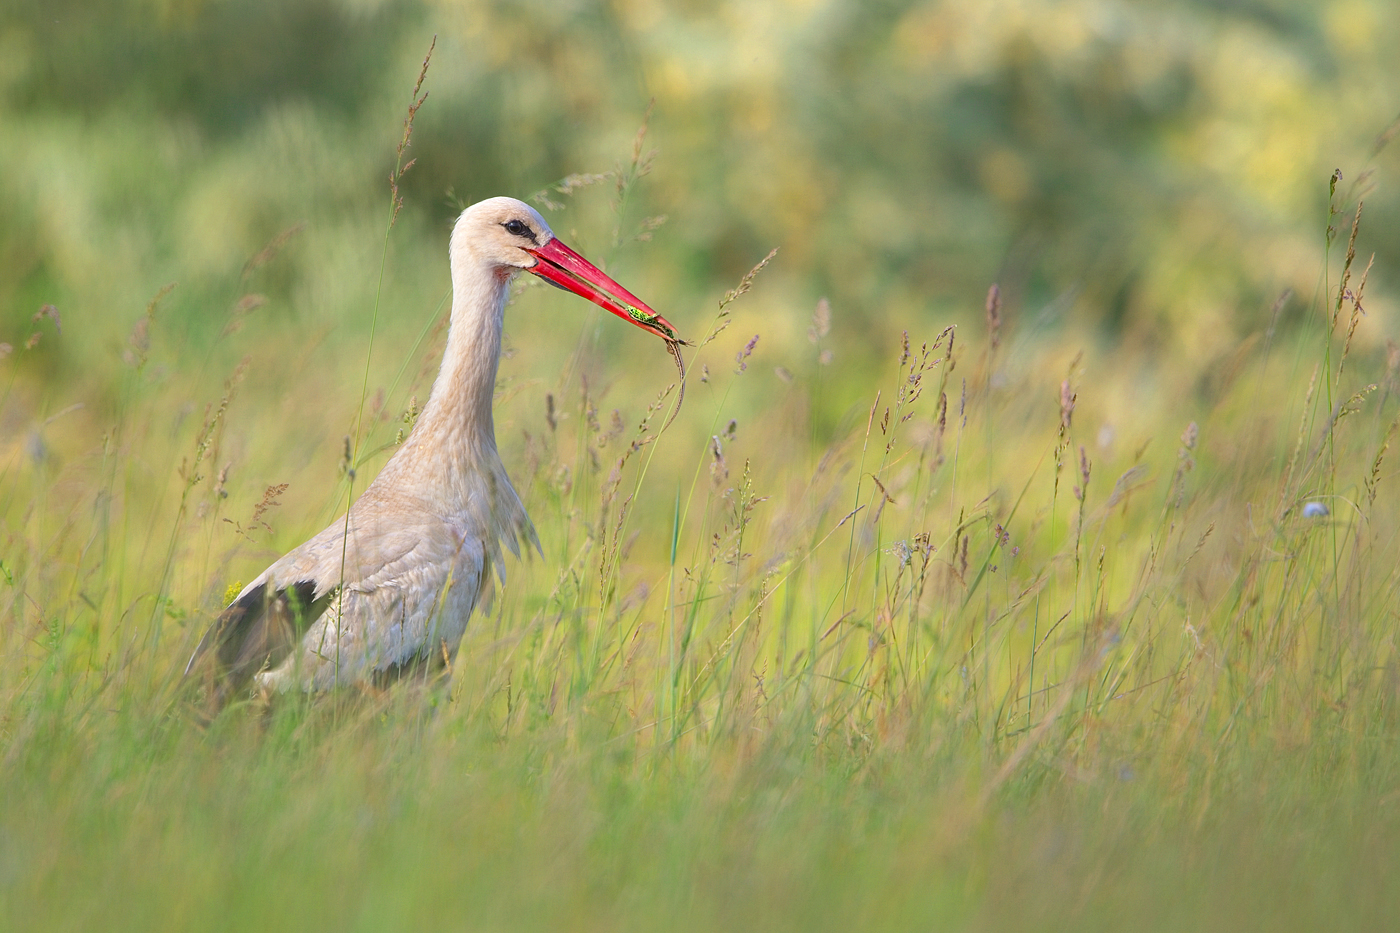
561 266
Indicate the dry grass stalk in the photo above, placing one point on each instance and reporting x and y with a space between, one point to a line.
139 343
1356 311
993 309
270 252
1346 265
400 166
722 315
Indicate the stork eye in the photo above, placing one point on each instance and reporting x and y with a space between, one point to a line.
518 228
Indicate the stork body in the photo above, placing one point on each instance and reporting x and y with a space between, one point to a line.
390 587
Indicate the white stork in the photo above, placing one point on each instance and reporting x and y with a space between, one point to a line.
389 588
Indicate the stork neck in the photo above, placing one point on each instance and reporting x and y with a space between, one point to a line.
456 423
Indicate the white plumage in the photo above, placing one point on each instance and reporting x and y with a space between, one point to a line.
391 589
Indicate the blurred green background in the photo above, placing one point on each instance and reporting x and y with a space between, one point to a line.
1155 172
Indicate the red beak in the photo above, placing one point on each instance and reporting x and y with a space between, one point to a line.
559 265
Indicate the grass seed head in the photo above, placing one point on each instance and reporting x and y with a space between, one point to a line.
993 308
821 321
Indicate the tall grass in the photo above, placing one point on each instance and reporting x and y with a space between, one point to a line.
991 655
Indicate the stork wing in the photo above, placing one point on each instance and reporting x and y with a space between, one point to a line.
258 630
263 627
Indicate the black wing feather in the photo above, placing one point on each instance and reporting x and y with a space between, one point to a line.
256 632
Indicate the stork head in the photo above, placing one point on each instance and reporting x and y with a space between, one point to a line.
510 235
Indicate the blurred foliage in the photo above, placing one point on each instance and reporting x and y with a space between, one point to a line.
218 65
1153 170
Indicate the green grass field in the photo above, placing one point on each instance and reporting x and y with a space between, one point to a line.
959 617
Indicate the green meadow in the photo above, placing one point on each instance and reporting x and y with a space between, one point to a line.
1024 553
